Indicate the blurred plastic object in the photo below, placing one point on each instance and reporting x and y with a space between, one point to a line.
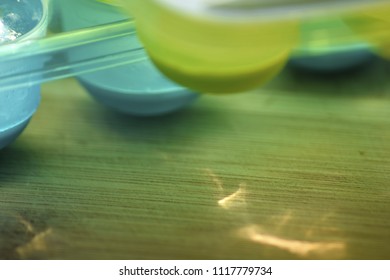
335 59
231 45
213 48
138 88
331 55
19 20
373 25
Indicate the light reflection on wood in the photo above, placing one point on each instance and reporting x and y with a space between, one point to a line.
300 248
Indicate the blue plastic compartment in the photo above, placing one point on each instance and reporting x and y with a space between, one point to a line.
138 88
20 20
330 53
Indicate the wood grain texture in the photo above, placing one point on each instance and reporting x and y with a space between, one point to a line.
299 169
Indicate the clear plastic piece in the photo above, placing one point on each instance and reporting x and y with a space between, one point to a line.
86 48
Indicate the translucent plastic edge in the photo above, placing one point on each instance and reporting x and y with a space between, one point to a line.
52 51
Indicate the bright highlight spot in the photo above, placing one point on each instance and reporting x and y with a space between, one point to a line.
296 247
237 198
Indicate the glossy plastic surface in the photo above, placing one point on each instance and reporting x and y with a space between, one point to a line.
137 88
332 55
231 46
21 20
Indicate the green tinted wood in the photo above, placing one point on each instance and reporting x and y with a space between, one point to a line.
297 170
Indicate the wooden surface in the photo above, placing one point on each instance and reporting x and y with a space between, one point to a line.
297 170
